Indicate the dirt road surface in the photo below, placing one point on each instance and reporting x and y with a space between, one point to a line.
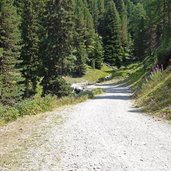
103 134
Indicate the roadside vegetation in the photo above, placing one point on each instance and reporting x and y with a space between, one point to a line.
154 95
39 105
151 87
91 76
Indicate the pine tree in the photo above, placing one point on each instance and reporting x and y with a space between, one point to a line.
139 32
101 12
87 37
19 4
93 8
92 40
119 6
124 31
99 52
89 33
10 77
57 45
30 48
112 35
124 24
81 55
79 38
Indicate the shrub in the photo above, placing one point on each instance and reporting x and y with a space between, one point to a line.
29 107
87 93
34 106
91 93
156 73
47 103
59 87
8 113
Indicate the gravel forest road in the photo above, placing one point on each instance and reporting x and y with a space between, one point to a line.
102 134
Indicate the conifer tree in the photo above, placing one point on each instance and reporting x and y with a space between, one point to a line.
124 31
87 35
19 4
91 40
30 48
124 24
112 35
79 38
57 45
99 52
138 30
10 77
101 11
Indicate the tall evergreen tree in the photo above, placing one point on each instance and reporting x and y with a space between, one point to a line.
91 40
10 77
124 24
79 38
137 15
88 34
30 48
112 35
99 52
57 45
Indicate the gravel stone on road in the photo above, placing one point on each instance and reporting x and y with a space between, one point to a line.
102 134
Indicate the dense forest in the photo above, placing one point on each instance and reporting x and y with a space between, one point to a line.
41 41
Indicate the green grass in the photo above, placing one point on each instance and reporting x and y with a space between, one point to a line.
153 96
132 74
27 107
92 75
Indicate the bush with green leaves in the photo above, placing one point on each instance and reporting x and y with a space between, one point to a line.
42 104
8 113
91 93
156 73
27 107
36 105
59 87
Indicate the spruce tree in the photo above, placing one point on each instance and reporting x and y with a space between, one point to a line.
92 40
57 45
87 38
112 35
138 30
79 38
30 48
98 52
124 24
101 11
10 77
124 31
19 4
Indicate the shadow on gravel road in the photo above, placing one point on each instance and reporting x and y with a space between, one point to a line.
118 90
127 97
135 110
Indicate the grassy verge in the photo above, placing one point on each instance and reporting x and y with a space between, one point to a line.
92 75
155 96
39 105
152 95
